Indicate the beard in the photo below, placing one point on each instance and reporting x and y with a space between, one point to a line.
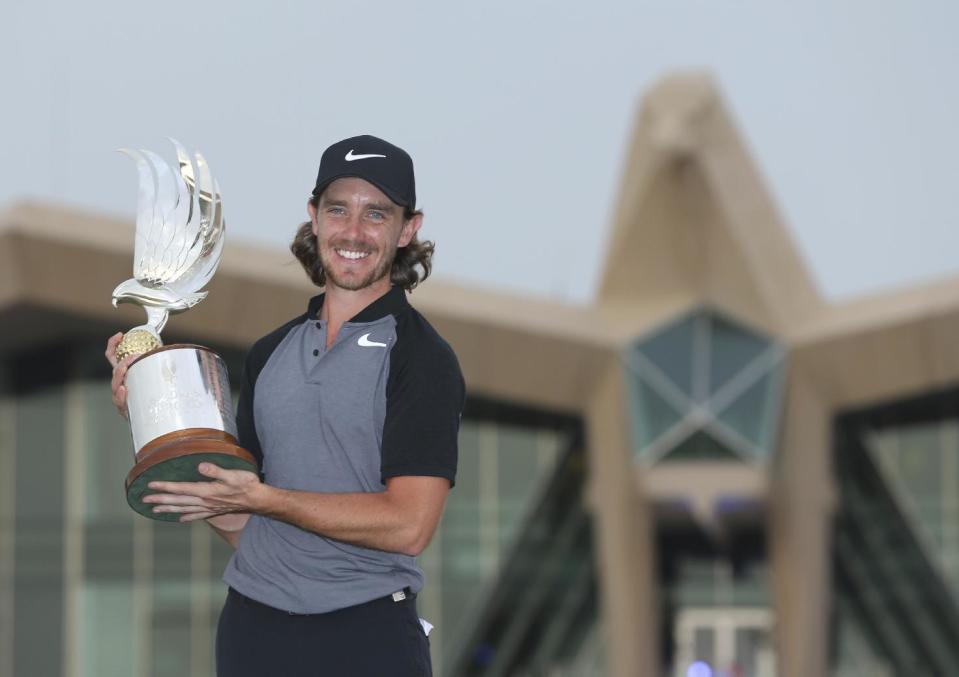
351 283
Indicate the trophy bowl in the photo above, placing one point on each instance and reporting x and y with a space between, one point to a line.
181 414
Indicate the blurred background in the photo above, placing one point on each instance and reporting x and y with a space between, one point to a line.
697 261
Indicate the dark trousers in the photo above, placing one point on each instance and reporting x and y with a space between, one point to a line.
381 638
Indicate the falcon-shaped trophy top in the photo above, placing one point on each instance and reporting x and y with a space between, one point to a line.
179 240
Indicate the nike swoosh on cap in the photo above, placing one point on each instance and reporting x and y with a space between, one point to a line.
349 157
366 342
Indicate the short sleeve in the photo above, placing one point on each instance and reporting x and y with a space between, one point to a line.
425 394
245 425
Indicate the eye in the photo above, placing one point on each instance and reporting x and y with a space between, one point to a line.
336 211
375 215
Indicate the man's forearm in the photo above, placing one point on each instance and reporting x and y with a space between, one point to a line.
372 520
400 519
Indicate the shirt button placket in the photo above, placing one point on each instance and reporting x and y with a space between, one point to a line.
316 351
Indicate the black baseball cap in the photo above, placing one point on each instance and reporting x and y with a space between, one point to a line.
388 167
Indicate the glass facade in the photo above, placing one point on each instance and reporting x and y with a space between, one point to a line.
38 559
896 540
704 387
920 462
539 615
91 589
502 467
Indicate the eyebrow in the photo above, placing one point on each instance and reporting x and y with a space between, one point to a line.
335 203
383 207
380 206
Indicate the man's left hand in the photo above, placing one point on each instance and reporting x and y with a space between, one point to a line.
230 491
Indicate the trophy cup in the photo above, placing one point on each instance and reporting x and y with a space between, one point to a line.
178 396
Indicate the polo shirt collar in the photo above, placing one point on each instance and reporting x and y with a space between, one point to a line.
392 302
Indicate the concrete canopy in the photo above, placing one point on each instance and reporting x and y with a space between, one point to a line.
58 268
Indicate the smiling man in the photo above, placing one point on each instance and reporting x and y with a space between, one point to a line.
353 409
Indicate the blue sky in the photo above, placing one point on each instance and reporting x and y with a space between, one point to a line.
517 114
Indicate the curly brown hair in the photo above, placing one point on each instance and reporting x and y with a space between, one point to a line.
404 273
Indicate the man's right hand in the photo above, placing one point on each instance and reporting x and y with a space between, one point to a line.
119 373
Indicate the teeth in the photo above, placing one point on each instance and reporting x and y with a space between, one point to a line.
346 253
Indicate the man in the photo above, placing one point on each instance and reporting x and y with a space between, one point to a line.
353 410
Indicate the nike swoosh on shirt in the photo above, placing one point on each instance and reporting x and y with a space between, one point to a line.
349 157
366 342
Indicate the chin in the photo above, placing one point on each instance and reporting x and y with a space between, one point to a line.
351 282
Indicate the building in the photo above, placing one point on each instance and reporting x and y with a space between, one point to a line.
708 467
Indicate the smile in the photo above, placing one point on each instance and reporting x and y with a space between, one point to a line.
347 254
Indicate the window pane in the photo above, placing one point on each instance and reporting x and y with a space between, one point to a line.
108 630
109 454
672 351
38 555
171 630
732 349
750 414
651 414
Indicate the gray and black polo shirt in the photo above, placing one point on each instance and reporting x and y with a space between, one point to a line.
385 400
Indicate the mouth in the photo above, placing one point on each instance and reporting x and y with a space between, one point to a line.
351 254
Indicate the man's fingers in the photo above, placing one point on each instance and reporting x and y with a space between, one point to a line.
117 384
234 477
120 400
197 516
211 470
201 489
119 373
111 351
183 509
173 499
120 370
119 391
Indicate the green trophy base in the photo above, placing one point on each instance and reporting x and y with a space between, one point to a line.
176 458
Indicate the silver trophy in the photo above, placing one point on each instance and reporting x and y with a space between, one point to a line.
178 396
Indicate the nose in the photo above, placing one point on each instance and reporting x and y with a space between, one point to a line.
353 228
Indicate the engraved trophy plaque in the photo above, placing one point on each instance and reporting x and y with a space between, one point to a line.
178 396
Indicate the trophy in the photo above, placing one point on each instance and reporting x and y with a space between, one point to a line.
178 396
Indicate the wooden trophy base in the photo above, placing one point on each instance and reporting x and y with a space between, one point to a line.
175 457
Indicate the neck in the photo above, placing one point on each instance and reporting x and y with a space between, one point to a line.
339 304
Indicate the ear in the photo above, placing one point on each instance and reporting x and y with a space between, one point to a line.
410 229
311 210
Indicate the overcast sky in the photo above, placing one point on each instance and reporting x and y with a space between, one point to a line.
517 115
